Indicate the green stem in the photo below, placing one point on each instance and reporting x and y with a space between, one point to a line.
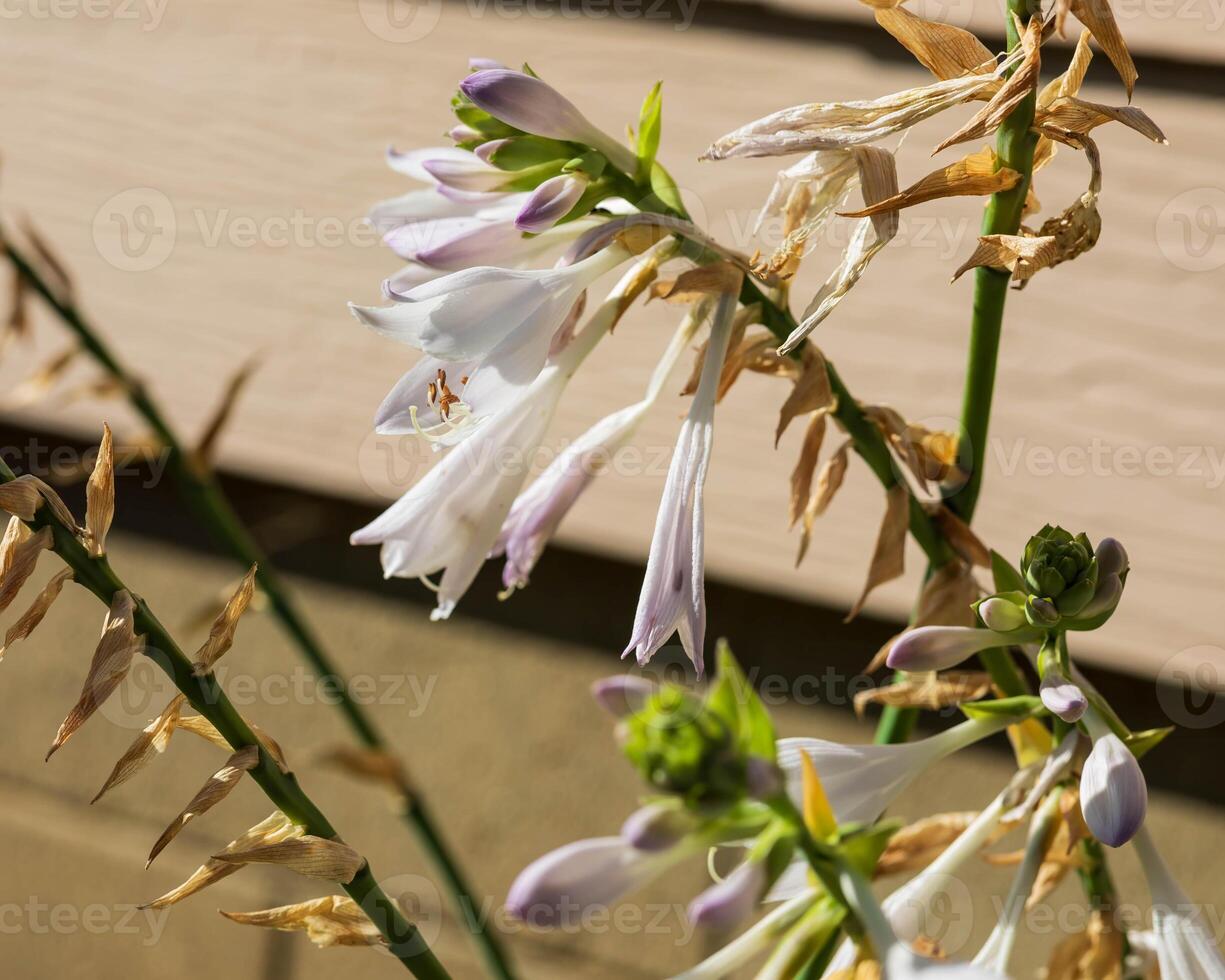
207 501
206 696
1015 143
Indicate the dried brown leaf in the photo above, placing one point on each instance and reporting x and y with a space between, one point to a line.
151 741
20 497
1011 94
221 635
694 285
200 726
272 829
811 392
945 51
889 556
335 920
216 789
977 174
100 496
741 353
371 765
30 619
110 664
806 466
308 855
928 691
1073 77
957 533
58 269
1095 953
1099 18
829 480
206 448
1074 115
916 845
43 380
1021 255
20 557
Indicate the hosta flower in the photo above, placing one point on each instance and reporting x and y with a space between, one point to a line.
451 518
673 596
1113 793
727 902
940 647
532 105
1061 695
550 202
1060 568
560 887
540 509
1181 938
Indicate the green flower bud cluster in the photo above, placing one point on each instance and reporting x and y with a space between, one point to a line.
714 751
1062 584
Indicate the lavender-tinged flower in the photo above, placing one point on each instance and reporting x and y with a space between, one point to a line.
658 826
1105 597
1184 946
539 510
1111 557
1113 793
726 903
673 590
1061 696
1001 615
534 106
551 201
940 647
466 314
558 888
451 518
754 941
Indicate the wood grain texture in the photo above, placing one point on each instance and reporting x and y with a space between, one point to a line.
246 119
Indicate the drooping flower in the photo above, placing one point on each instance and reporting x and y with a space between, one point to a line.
1113 793
539 510
1181 938
673 596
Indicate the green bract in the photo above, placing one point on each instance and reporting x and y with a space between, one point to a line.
1060 568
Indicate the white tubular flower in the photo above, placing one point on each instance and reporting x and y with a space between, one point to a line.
1184 946
451 518
539 510
673 593
997 950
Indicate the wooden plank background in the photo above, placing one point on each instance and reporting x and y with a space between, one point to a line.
253 135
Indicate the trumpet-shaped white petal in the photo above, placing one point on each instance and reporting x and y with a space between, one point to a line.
559 888
673 593
540 509
1181 938
1113 793
466 314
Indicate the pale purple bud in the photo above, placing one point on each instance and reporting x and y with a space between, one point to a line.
487 149
483 64
558 888
763 778
534 106
938 647
463 134
726 903
1001 615
1113 794
1061 696
623 694
550 202
657 826
1111 557
1107 595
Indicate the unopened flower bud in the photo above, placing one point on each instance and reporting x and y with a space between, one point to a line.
1111 557
1001 615
1041 613
939 647
623 694
726 903
1113 793
1061 696
1061 568
657 826
763 778
550 202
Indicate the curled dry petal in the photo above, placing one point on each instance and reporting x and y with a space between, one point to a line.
206 448
30 619
829 480
1075 115
221 635
20 551
917 844
1099 18
334 920
928 691
806 466
100 496
20 497
889 556
977 174
316 857
370 765
110 664
152 740
272 829
1022 256
810 393
946 51
210 794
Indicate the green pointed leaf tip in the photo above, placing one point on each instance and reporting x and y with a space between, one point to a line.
1023 706
1007 577
650 121
664 188
862 846
1142 743
741 707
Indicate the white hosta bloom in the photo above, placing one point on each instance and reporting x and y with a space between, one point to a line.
673 596
540 509
1181 937
451 518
